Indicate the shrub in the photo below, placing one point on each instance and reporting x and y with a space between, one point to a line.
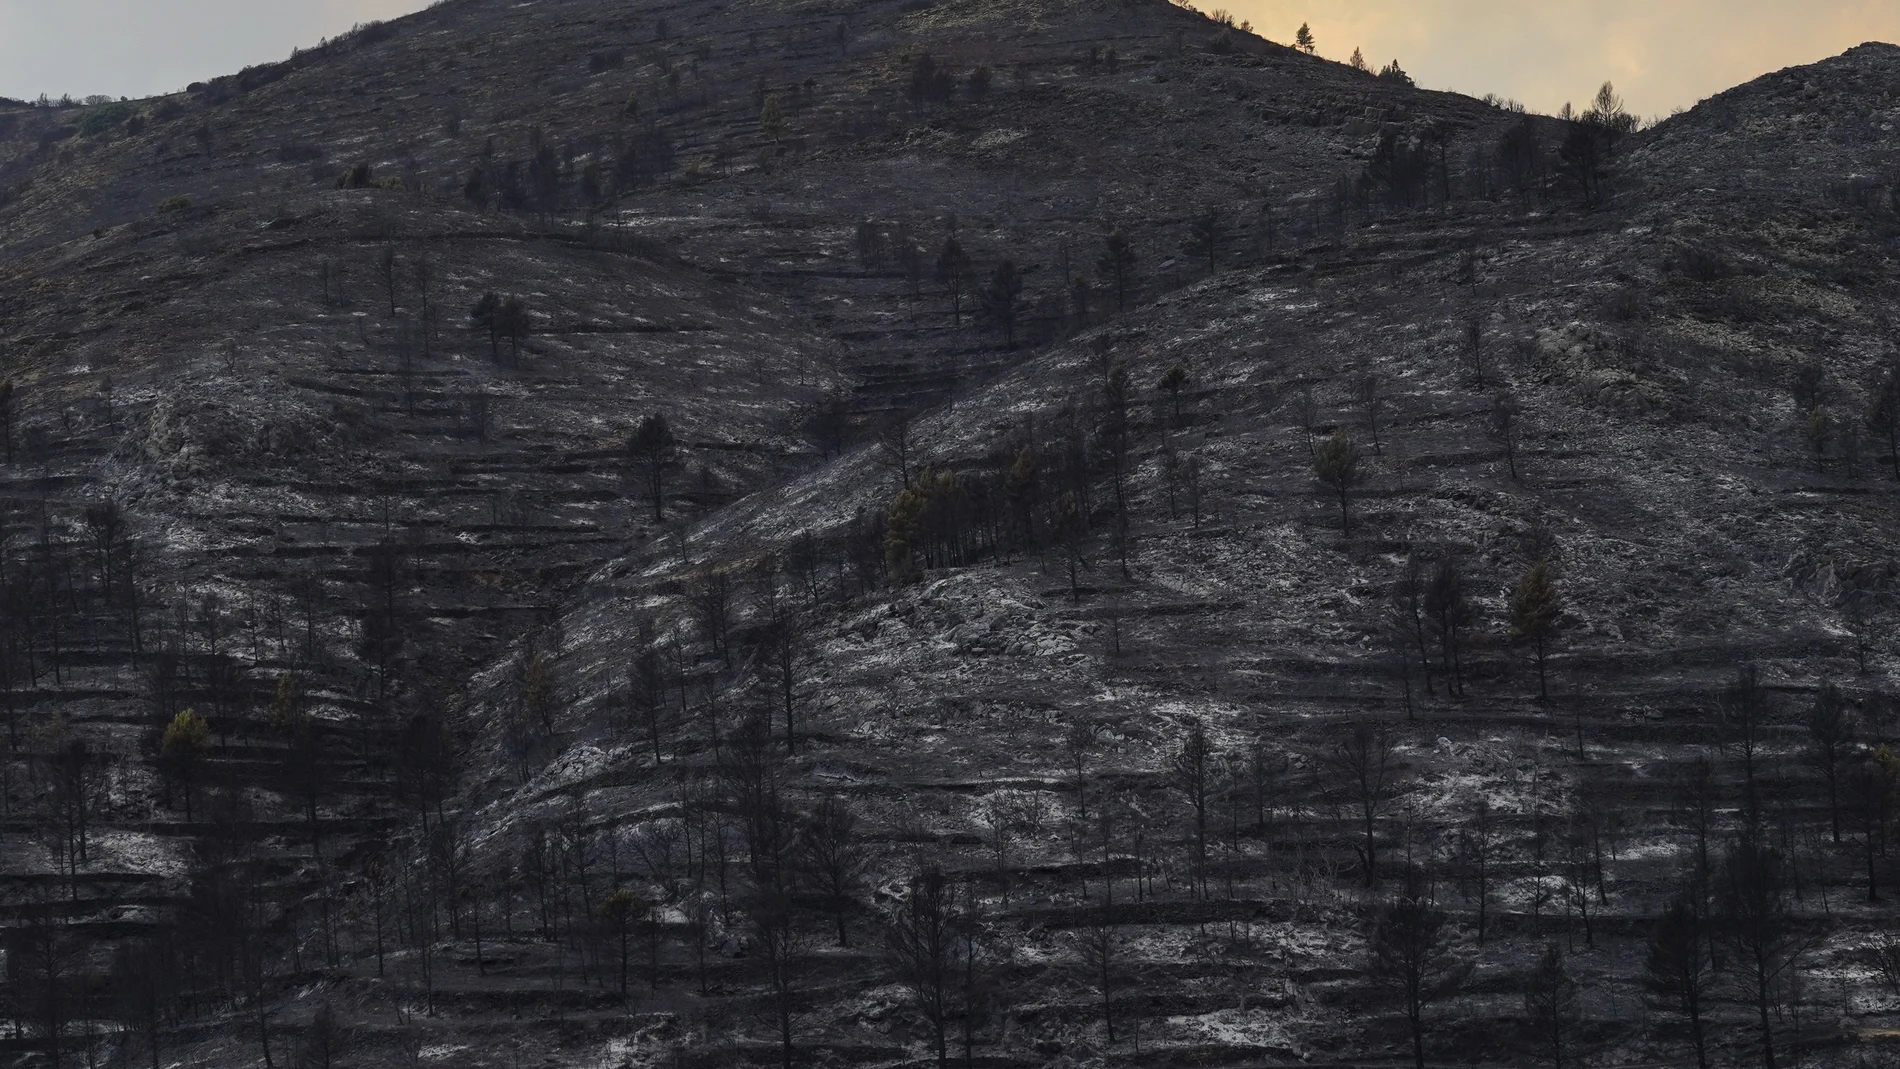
929 83
1337 465
174 204
364 34
98 119
1701 263
772 118
358 176
1392 72
182 747
260 76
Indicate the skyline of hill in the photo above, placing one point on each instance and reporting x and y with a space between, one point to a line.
1032 531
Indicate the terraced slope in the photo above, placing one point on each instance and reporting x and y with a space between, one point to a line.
301 462
444 545
1687 543
201 328
1660 462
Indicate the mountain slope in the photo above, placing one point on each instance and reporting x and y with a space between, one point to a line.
428 535
1661 464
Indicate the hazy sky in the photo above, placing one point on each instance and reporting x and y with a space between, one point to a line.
140 47
1662 54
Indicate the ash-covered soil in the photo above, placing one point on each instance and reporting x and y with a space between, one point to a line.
513 693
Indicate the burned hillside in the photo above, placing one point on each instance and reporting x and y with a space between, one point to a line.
892 532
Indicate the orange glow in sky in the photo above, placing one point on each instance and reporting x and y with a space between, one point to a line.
1662 54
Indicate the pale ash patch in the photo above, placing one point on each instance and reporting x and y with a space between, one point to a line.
1258 1028
119 850
995 139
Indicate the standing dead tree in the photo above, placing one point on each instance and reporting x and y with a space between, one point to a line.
1368 391
1831 732
1870 800
784 643
1476 858
1190 772
1406 616
921 943
1677 974
1744 712
1449 613
1504 425
1360 767
1096 943
1078 744
1412 954
755 792
653 450
1536 606
1756 926
1551 1002
834 859
646 687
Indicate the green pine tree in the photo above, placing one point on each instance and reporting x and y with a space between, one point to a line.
1020 486
1172 381
772 118
182 748
1536 606
1337 465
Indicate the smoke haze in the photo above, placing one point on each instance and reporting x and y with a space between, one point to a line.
1662 54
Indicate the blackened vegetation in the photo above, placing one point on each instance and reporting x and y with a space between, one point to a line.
930 83
1570 156
1254 677
573 176
1405 169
